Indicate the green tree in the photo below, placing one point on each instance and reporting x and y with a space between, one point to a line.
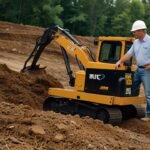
9 10
121 6
147 15
73 16
43 13
136 10
121 21
121 25
96 12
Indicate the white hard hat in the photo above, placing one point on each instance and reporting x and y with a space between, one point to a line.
138 25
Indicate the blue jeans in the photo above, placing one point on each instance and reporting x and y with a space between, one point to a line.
143 76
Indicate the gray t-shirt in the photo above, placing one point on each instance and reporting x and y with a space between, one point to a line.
141 50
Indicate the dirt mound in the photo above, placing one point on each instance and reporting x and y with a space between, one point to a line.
25 128
25 88
137 126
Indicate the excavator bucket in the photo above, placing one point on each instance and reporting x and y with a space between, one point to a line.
30 69
41 43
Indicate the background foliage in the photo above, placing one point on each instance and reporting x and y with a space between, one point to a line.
82 17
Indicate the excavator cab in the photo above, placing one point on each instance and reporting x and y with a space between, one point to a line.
99 90
111 49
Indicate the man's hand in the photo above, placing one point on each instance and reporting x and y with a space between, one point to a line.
117 65
122 60
147 67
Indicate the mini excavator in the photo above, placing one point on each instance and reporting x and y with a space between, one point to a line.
99 90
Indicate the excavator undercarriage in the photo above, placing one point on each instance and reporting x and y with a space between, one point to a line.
99 90
106 108
108 114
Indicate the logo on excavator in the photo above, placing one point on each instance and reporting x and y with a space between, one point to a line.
96 76
72 48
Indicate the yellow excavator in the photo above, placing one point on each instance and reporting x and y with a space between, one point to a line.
100 91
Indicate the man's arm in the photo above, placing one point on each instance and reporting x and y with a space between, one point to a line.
147 67
122 60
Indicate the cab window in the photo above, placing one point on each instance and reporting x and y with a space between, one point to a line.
128 46
110 51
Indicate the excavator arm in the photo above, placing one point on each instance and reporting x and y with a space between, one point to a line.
41 43
67 43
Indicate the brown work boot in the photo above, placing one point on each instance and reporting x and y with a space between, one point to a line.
146 118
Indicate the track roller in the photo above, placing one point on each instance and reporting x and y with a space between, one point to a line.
140 111
50 104
132 111
110 115
128 112
58 104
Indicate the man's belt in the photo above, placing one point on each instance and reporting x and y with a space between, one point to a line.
141 67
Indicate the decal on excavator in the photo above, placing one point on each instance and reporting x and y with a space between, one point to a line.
96 76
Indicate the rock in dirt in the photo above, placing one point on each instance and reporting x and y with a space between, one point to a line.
62 127
35 129
58 138
90 147
16 141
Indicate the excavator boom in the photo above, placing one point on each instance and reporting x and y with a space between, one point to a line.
64 39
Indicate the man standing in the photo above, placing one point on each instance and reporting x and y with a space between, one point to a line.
141 50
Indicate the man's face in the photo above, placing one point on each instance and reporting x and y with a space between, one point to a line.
138 34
